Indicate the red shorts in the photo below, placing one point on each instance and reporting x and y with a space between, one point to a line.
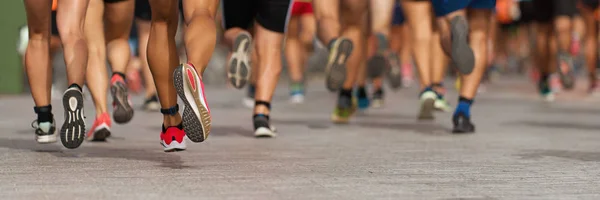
302 8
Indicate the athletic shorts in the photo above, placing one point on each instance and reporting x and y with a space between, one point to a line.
591 3
143 11
300 8
271 14
444 7
547 10
398 17
527 12
54 25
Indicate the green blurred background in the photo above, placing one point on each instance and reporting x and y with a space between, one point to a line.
12 16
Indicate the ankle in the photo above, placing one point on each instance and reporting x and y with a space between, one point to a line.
44 113
171 116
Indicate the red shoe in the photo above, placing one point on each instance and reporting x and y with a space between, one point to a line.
134 82
196 115
101 128
173 139
407 74
122 109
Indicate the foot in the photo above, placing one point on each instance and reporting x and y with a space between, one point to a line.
122 109
394 73
248 100
379 62
72 132
427 101
335 71
343 111
462 55
566 71
173 138
462 124
45 132
239 69
196 115
263 127
545 91
441 104
297 93
151 104
101 128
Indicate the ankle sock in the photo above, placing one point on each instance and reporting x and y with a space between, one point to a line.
362 92
463 107
44 113
346 93
74 85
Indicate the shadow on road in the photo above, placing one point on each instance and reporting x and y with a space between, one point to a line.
572 155
167 160
555 124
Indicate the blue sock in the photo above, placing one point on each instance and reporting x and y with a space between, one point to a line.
463 107
427 89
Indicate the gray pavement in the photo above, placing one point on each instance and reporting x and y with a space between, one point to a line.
523 149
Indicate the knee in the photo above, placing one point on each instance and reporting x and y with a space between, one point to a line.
70 34
422 35
478 37
200 14
563 25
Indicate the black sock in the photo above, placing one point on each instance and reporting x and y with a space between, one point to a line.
346 93
121 75
362 92
44 113
74 85
544 77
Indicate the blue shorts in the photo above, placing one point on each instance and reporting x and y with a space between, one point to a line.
398 17
444 7
133 46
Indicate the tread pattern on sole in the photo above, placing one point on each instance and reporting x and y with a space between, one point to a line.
239 67
72 133
462 54
335 70
196 128
123 112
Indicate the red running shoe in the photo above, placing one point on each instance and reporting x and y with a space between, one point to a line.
173 138
101 128
196 115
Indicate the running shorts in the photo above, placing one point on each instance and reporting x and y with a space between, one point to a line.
527 11
547 10
271 14
398 16
591 3
444 7
302 7
143 11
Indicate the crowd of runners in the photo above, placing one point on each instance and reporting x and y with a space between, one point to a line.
369 42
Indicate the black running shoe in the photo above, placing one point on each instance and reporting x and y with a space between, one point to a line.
462 54
262 127
239 68
45 132
379 62
335 71
462 124
377 101
151 104
122 109
72 132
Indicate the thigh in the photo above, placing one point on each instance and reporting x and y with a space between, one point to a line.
238 13
38 16
191 8
118 18
71 16
273 14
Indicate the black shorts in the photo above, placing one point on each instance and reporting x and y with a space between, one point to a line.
591 3
271 14
547 10
53 25
527 12
143 11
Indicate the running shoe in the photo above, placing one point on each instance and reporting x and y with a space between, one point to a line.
248 100
196 115
134 82
394 73
173 138
101 128
72 132
441 104
427 100
297 93
462 54
263 127
335 71
566 70
379 62
594 90
122 109
239 69
45 132
407 74
344 110
555 83
545 91
377 100
462 124
151 104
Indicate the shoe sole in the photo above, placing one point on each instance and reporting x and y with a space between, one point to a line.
441 107
376 66
263 132
174 146
427 109
335 71
239 63
72 132
46 139
196 116
100 135
463 130
123 112
462 54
